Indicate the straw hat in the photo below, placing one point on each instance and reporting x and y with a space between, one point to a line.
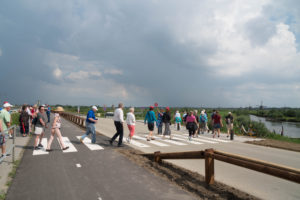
59 109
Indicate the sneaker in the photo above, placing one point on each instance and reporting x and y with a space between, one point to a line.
49 150
120 145
81 140
110 142
127 139
148 139
153 138
40 145
10 137
190 138
37 148
65 148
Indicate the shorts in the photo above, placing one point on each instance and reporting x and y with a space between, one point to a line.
38 130
2 140
229 126
202 125
151 126
217 125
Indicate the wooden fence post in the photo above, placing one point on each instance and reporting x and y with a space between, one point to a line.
209 166
157 157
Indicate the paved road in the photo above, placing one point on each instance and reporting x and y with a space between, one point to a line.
85 171
255 183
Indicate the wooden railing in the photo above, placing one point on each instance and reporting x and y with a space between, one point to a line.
210 155
80 121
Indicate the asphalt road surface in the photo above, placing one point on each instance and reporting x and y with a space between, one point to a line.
85 171
255 183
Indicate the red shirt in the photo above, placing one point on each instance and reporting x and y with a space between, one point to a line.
217 119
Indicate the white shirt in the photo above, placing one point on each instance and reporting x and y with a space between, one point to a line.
177 114
118 115
130 120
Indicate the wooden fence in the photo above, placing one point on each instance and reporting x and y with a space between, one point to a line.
80 121
210 155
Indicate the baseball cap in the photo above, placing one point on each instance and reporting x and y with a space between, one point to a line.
151 107
7 105
167 108
94 107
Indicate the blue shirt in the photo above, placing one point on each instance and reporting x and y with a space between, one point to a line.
150 117
90 114
1 108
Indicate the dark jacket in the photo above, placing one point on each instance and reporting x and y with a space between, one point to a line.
166 117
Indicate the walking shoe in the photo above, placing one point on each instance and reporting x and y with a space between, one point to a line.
40 145
190 138
148 139
81 140
127 140
49 150
152 138
110 142
37 148
10 137
120 145
65 148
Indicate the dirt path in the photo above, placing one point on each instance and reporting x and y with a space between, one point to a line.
277 144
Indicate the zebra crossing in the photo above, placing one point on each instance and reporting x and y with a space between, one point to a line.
137 141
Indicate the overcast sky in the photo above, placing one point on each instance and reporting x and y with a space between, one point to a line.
227 53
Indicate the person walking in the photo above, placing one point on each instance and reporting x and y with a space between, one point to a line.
217 120
197 124
159 122
130 120
5 120
212 121
56 125
40 126
48 113
177 119
202 122
90 124
24 121
118 121
167 122
229 123
150 119
191 124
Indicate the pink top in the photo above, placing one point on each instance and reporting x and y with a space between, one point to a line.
190 118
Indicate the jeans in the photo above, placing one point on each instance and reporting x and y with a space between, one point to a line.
159 128
119 127
90 128
48 116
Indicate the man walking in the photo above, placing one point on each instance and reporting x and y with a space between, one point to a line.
6 122
118 120
90 125
48 112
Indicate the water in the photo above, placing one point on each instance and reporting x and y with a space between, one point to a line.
290 129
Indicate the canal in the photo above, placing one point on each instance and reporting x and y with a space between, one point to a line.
290 129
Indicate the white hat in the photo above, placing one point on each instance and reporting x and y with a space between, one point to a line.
7 105
94 107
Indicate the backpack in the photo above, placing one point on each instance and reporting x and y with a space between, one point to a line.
202 118
34 121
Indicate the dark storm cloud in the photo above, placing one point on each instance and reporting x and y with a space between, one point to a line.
133 51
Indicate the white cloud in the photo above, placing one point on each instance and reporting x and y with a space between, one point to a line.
83 75
57 73
113 71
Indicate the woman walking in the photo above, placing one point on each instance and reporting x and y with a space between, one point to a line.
159 122
24 121
130 120
217 120
56 130
167 122
150 119
177 119
203 122
191 124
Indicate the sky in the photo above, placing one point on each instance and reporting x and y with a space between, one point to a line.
208 53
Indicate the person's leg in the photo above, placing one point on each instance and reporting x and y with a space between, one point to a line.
121 132
88 131
41 138
37 137
116 134
93 131
50 139
3 149
58 133
219 132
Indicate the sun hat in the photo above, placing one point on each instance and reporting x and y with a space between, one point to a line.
7 105
229 112
59 109
94 107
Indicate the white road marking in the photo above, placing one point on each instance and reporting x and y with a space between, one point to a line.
78 165
87 142
202 140
214 139
186 140
41 151
169 141
135 143
151 141
68 143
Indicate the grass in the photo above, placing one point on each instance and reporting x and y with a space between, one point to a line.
11 176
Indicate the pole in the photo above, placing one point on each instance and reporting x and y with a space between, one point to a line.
14 135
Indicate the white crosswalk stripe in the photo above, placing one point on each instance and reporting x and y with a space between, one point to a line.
197 139
188 141
68 143
136 143
170 141
41 151
151 142
214 139
87 142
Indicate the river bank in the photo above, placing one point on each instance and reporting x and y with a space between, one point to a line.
291 146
